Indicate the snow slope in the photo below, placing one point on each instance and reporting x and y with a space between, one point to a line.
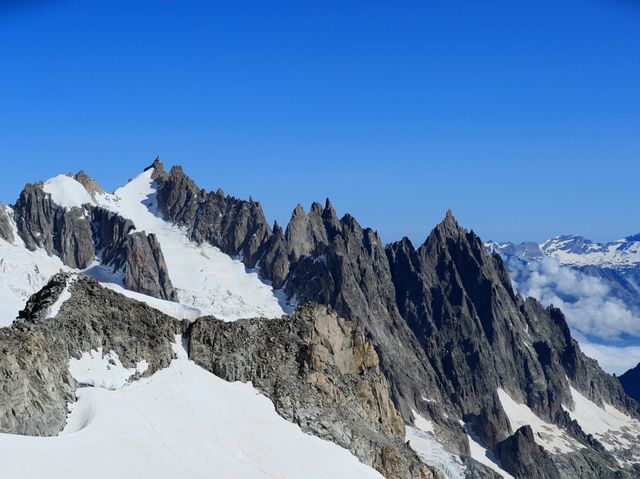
206 279
423 441
67 192
181 422
618 432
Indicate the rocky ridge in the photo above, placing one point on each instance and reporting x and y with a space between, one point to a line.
36 384
319 370
84 235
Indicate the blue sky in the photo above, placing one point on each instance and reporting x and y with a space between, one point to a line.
523 117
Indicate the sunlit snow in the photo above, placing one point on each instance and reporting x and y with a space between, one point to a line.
94 368
618 432
206 279
67 192
181 422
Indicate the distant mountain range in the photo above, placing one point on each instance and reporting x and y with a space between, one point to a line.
596 284
616 262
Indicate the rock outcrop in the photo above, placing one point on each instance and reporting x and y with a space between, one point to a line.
81 235
321 373
522 457
631 382
36 385
64 232
235 226
89 183
145 270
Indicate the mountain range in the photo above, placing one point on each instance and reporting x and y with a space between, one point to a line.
162 330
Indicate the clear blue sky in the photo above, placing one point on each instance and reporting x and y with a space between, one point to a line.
521 116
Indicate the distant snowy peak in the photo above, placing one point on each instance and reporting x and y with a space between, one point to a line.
574 250
577 251
527 251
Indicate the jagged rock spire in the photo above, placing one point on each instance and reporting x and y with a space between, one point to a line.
88 182
157 165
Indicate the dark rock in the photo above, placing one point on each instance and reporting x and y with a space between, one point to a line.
6 230
237 227
145 269
41 223
522 457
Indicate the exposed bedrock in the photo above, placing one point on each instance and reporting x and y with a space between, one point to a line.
321 373
81 235
35 383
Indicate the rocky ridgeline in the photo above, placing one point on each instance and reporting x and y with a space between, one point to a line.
319 370
321 373
443 318
36 385
79 235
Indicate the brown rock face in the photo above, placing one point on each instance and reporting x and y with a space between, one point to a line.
89 183
321 373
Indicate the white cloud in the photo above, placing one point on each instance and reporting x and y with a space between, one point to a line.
586 301
613 359
589 307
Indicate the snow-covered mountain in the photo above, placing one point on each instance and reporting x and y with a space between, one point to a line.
172 343
575 250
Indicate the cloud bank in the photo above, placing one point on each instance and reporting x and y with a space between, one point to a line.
589 307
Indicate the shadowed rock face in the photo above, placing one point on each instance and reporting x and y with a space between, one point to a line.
479 336
524 458
631 382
